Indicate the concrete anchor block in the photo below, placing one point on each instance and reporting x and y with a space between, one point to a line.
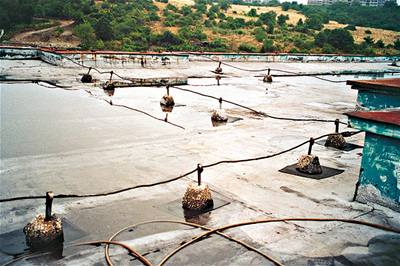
44 231
167 100
197 197
336 141
309 164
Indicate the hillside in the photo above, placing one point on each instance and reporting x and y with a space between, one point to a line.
200 25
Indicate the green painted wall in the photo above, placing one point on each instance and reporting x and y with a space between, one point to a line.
380 165
378 100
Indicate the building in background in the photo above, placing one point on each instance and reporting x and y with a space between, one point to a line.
362 2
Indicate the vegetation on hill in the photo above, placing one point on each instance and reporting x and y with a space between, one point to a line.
206 25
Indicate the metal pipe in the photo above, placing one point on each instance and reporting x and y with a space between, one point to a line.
199 171
49 203
310 146
337 122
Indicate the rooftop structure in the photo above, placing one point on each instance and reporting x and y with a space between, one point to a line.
379 179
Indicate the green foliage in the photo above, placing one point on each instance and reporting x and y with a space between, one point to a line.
380 44
252 13
126 25
245 47
87 35
339 39
259 34
396 44
314 22
268 19
268 46
282 19
350 27
368 41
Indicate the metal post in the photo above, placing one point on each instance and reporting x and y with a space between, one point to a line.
269 71
220 102
168 90
49 203
337 126
166 117
90 68
219 65
199 171
310 146
111 74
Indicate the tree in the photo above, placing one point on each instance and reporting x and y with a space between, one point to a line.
368 40
245 47
282 19
340 39
396 44
103 28
268 46
314 22
86 34
252 13
380 44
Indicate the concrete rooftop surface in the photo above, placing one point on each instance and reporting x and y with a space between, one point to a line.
71 141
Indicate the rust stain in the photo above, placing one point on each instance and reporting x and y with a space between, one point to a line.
391 117
376 84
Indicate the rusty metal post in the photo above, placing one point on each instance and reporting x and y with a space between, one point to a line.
199 171
310 146
49 203
166 117
168 90
220 102
337 126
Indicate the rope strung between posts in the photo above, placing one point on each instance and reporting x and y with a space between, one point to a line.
344 134
145 113
242 106
266 69
255 111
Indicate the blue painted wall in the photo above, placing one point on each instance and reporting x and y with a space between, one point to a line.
380 165
378 100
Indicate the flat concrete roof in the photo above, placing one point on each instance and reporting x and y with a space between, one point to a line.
393 83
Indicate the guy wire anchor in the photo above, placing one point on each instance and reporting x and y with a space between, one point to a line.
218 70
87 78
167 101
218 78
219 115
268 77
44 231
109 86
197 196
309 163
336 140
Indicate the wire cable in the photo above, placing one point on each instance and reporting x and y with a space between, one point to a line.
344 134
258 112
